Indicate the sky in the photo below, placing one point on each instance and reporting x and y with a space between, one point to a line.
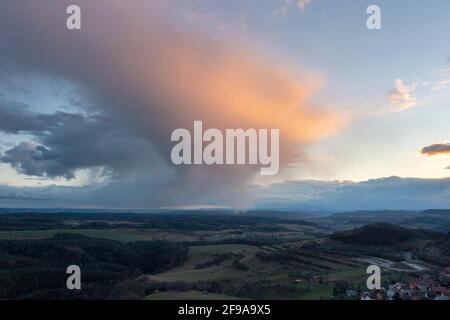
86 115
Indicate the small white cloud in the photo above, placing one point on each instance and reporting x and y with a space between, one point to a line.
442 71
283 10
444 79
441 85
401 97
301 4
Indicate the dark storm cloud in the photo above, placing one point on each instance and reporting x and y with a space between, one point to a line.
65 142
437 149
17 117
33 160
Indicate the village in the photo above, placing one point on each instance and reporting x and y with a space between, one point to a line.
424 287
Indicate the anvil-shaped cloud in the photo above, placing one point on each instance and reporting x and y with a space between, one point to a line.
147 75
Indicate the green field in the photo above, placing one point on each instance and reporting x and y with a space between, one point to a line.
188 295
197 254
318 292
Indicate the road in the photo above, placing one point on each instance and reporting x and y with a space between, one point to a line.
413 265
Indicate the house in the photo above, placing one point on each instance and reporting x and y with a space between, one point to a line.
441 290
415 285
441 297
398 291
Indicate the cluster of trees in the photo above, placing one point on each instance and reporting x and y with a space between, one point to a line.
218 258
383 234
239 265
38 267
215 260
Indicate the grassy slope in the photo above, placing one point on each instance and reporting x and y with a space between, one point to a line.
188 295
197 254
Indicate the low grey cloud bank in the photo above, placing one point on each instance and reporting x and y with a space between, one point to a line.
388 193
377 194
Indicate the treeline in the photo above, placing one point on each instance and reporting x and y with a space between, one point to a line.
37 268
169 221
383 234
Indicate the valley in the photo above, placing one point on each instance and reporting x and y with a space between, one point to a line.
217 255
